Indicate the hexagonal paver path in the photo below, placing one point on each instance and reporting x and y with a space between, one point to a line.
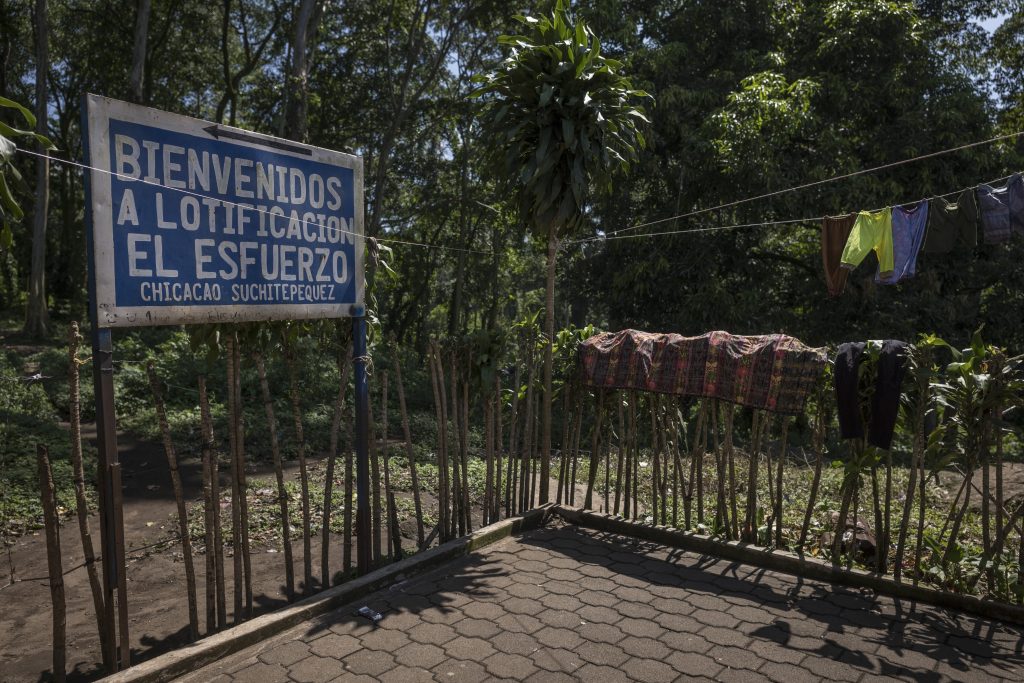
563 603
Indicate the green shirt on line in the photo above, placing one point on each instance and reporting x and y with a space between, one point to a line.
871 232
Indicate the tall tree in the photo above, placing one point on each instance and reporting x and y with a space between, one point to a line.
297 92
136 78
37 318
565 118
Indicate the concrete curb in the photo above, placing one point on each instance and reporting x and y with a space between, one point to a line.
219 645
791 563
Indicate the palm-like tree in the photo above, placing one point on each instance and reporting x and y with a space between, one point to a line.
562 119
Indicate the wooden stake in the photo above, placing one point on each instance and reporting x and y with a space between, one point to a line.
375 488
588 501
81 504
394 532
244 500
778 482
731 462
236 488
410 454
282 492
442 438
622 451
51 524
510 471
300 445
206 450
467 505
179 499
218 541
498 441
344 366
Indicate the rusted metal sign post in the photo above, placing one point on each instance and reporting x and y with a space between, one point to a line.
190 221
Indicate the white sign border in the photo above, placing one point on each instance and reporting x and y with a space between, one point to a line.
99 111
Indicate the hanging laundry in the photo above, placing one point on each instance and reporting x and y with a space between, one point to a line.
952 225
872 231
908 228
835 231
885 399
1002 209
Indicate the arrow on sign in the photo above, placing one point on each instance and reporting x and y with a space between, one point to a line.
218 132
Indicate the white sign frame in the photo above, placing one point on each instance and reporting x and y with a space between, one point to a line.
98 112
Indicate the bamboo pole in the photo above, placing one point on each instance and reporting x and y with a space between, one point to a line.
81 503
218 541
236 489
179 499
458 522
244 500
750 511
206 450
534 454
577 432
497 445
510 471
344 366
442 439
529 418
588 501
467 504
695 471
628 466
721 509
282 492
300 447
375 488
818 445
563 462
652 401
783 448
346 531
620 461
51 524
394 531
488 460
730 419
920 520
880 533
410 454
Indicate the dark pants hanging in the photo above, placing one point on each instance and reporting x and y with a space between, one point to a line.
885 403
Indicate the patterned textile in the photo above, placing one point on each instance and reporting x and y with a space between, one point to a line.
769 372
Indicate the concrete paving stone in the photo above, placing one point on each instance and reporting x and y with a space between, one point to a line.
831 669
449 600
404 674
441 615
633 594
735 657
597 598
519 605
334 645
556 659
787 673
771 651
600 633
601 674
715 617
520 623
458 671
628 575
528 578
562 587
285 654
399 621
557 574
596 583
531 566
483 610
638 646
550 677
516 643
509 666
636 610
563 563
671 605
599 615
534 554
560 601
530 591
264 673
681 623
646 628
596 571
558 618
385 640
369 662
693 664
753 615
433 634
649 670
971 646
627 557
477 628
740 676
600 653
419 655
685 642
725 636
729 584
313 669
558 637
703 601
468 648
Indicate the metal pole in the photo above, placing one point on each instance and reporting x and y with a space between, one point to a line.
362 404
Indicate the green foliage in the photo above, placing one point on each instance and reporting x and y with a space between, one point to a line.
9 208
562 115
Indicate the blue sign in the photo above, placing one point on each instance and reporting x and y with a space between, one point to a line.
196 222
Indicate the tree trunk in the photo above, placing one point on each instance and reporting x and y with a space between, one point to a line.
54 564
139 51
298 86
300 444
37 318
549 332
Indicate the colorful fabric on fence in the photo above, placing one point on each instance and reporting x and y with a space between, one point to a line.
770 372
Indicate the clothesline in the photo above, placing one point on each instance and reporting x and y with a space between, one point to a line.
816 183
616 235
